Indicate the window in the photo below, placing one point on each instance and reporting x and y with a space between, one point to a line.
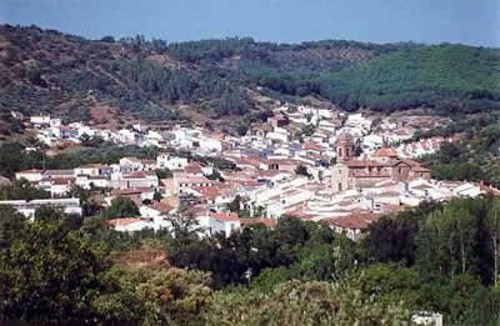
340 186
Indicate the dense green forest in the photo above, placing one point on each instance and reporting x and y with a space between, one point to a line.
48 71
475 157
449 78
435 257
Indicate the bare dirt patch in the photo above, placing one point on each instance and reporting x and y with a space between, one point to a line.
143 257
108 117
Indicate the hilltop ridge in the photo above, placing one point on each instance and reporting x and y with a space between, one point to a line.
69 76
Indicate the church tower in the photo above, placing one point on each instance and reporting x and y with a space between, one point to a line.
345 147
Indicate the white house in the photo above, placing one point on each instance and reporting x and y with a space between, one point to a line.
157 214
128 164
181 183
59 174
33 175
427 318
40 120
171 162
210 144
87 182
152 138
278 134
372 142
213 223
91 170
467 190
126 136
56 187
70 206
130 224
138 179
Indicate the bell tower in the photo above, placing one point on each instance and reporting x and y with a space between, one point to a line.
345 147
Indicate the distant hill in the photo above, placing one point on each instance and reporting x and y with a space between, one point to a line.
69 76
448 77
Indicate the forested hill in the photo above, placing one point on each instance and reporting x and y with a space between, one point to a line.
48 71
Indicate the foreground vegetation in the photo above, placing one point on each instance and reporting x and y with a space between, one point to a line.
436 257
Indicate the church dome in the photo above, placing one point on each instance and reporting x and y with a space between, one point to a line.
345 137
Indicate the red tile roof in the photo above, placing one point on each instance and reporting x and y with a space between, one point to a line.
32 171
135 175
210 192
162 206
123 221
198 210
361 163
385 152
130 191
193 167
59 182
354 221
225 217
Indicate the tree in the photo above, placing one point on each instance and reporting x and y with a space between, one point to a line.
163 173
448 239
302 170
157 196
242 129
153 296
216 176
50 272
494 226
235 204
461 299
22 189
90 206
393 238
94 141
10 223
304 303
307 130
108 39
122 207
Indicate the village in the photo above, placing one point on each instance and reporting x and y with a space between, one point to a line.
310 163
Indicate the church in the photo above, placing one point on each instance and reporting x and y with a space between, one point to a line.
352 172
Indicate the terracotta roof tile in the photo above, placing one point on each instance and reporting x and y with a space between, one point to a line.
354 221
123 221
225 217
385 152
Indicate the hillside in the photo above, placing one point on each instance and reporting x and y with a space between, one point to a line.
72 77
431 76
